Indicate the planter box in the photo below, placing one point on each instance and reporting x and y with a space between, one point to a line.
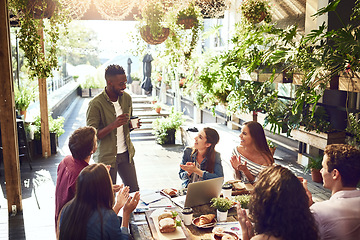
318 140
84 92
95 91
54 143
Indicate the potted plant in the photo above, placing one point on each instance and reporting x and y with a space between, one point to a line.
151 27
188 17
243 199
314 166
24 95
272 146
157 107
353 131
222 206
154 100
56 128
164 128
256 11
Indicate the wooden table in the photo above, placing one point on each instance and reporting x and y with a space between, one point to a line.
142 226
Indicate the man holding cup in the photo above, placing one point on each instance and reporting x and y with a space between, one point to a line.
109 112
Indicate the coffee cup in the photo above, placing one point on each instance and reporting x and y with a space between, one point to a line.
134 121
227 190
187 215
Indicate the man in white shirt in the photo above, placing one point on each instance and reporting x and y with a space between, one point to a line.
339 217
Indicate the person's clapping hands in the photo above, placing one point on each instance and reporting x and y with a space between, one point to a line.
246 226
189 167
236 163
131 203
123 196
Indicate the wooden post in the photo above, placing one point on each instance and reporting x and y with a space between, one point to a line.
45 133
7 113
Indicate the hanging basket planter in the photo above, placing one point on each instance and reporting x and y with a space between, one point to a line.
148 37
256 19
40 8
188 23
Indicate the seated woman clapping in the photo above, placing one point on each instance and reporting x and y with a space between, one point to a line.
201 162
253 153
278 208
92 213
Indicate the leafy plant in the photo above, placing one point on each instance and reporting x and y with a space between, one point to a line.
256 10
91 82
314 163
24 95
39 63
153 16
162 126
270 143
55 125
243 199
221 204
353 129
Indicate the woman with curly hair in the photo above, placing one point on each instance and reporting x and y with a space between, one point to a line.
278 208
201 162
253 153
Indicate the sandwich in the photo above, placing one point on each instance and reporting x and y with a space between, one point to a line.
167 225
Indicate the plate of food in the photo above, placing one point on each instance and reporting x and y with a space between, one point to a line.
220 234
205 221
172 192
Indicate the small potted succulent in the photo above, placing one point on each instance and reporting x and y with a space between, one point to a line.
256 11
222 206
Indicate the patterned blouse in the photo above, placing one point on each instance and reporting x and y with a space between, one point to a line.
254 168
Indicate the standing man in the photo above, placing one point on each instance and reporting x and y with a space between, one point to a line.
339 217
109 112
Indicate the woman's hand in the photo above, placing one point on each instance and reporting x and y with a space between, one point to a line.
189 167
129 206
131 203
245 224
121 199
237 165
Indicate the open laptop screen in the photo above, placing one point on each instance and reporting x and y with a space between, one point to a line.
199 193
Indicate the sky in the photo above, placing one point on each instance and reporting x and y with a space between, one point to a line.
114 36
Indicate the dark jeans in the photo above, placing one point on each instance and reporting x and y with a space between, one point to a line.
126 171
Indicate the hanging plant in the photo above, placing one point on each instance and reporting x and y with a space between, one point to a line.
188 17
256 11
152 30
31 14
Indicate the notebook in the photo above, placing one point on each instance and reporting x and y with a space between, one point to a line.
199 193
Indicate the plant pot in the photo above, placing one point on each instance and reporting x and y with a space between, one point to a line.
272 150
84 92
256 20
169 138
53 144
23 112
221 216
153 40
316 175
188 22
158 110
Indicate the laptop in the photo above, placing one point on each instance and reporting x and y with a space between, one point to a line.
199 193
